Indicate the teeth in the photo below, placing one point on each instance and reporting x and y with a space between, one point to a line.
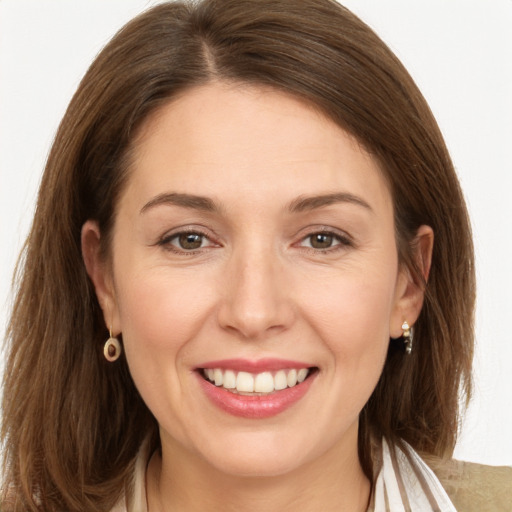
280 381
218 377
291 379
245 382
265 382
229 381
302 374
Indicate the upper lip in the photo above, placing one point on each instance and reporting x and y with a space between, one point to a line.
255 366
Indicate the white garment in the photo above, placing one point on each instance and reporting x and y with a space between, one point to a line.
404 483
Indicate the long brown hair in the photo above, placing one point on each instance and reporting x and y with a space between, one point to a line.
72 423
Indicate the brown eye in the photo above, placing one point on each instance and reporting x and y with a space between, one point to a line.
325 241
321 240
186 242
190 241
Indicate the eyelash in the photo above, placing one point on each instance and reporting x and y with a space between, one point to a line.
343 241
166 242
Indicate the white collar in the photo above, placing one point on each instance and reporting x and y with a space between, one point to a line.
405 483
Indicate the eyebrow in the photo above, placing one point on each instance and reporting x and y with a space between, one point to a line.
184 200
302 204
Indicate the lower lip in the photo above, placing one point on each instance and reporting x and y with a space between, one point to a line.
255 407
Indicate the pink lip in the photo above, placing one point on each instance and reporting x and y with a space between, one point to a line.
261 365
254 407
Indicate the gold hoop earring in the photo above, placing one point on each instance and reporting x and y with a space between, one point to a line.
407 336
112 348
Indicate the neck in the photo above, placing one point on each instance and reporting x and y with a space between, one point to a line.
184 482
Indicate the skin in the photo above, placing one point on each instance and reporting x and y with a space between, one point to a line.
259 286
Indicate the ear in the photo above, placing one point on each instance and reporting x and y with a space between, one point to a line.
100 273
410 291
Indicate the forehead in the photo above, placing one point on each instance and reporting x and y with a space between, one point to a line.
244 141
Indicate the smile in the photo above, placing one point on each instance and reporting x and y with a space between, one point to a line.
255 389
260 383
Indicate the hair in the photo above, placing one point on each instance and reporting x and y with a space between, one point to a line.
73 423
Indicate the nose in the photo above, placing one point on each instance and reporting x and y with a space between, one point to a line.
256 298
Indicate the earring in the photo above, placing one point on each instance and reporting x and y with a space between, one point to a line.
112 348
407 337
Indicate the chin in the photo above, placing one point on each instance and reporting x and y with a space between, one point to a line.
256 466
258 456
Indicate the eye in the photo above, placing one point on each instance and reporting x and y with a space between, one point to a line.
187 241
324 241
321 240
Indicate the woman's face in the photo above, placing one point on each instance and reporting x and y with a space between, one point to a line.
254 244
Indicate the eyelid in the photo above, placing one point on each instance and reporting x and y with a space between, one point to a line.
166 239
344 239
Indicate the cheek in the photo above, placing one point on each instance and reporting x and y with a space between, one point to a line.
160 312
353 312
351 316
160 317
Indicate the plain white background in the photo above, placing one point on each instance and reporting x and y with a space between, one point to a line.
458 51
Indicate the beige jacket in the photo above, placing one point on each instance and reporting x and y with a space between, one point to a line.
475 487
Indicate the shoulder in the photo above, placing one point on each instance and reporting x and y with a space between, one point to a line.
475 487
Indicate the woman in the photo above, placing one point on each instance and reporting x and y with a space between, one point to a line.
229 306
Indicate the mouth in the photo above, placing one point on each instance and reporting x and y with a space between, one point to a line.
256 384
255 389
